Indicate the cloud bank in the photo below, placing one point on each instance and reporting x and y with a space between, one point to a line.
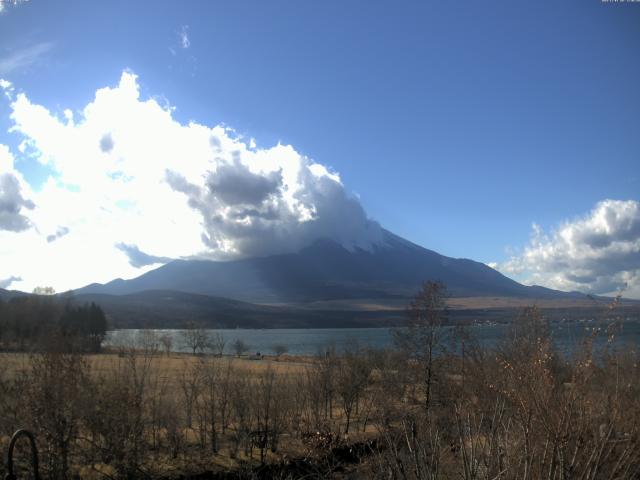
128 178
598 253
138 258
6 282
13 205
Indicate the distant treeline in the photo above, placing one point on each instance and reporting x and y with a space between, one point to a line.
44 322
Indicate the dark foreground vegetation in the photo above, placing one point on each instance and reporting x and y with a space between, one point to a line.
435 407
45 322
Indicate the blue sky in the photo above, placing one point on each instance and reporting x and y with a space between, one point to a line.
458 125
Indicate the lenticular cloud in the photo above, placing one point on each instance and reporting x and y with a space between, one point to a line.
126 172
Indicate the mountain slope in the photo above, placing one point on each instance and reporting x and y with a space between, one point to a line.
327 271
9 294
171 309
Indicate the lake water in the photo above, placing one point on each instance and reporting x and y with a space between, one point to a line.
311 341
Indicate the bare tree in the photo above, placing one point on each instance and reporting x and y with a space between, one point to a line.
352 378
216 344
225 380
423 335
210 374
240 347
167 342
57 399
326 378
148 341
279 349
195 338
241 394
190 383
264 403
117 426
44 291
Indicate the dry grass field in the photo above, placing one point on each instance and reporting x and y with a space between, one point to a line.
171 365
517 410
173 405
466 303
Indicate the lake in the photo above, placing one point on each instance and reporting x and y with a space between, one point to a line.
567 336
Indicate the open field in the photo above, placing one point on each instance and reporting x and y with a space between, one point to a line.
465 303
180 404
171 365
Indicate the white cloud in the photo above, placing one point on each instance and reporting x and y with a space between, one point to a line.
4 3
133 187
6 282
7 88
13 204
599 253
184 37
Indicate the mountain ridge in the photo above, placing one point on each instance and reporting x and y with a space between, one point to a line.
326 270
